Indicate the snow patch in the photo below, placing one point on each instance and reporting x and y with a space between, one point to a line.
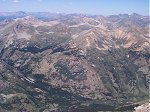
29 79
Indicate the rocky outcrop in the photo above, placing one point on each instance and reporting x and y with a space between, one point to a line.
143 108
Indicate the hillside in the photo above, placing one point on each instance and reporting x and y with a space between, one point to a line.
73 62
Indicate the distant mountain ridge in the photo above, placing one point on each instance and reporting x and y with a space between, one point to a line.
49 15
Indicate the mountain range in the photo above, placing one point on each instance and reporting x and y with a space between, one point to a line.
53 62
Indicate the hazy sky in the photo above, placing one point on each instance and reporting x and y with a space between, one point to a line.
105 7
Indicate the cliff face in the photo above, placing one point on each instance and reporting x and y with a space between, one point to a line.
74 63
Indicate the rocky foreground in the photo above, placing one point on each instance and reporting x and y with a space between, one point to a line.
143 108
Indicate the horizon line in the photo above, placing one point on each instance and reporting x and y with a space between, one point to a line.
73 13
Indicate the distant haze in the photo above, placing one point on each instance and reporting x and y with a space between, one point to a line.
104 7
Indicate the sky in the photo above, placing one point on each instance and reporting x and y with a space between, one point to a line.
98 7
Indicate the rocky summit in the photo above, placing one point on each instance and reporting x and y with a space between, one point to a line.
73 62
